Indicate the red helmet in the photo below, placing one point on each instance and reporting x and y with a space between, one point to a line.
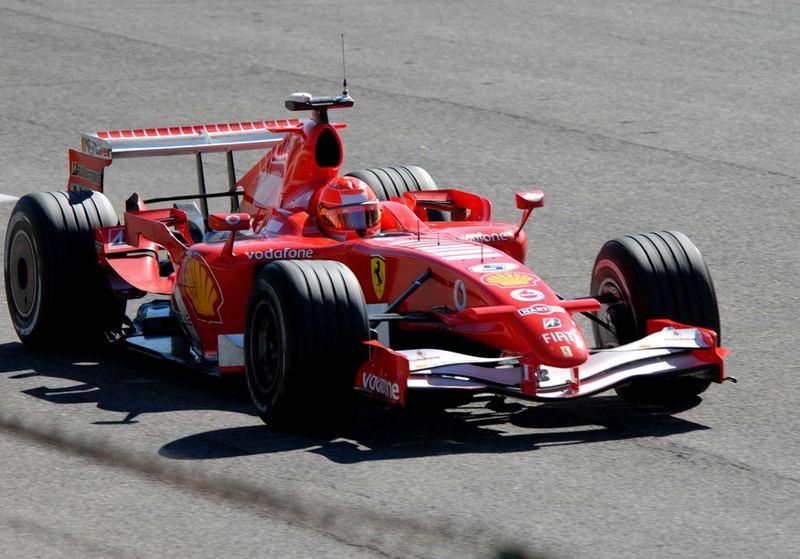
346 207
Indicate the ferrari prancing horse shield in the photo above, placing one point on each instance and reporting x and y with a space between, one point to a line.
377 266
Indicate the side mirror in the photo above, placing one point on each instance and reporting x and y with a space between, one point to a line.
229 222
531 199
527 201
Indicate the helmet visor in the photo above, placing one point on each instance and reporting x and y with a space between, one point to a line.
353 217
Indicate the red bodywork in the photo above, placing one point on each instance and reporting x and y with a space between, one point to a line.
479 287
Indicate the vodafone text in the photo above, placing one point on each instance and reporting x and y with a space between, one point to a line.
278 253
381 386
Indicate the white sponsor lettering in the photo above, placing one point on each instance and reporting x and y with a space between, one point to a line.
486 237
526 294
493 267
539 309
279 253
569 336
381 386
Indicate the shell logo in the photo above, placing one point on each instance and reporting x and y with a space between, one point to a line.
511 279
200 289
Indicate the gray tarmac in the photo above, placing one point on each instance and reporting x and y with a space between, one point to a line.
632 116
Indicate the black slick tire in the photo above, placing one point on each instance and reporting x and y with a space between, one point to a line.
653 275
57 293
304 332
394 181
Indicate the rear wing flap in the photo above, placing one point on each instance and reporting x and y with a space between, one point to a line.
176 140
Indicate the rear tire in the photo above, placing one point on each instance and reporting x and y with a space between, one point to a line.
653 275
57 292
304 332
395 181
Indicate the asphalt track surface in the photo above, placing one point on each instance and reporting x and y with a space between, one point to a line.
632 116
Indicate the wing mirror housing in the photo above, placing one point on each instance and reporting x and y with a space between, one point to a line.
229 222
530 199
527 201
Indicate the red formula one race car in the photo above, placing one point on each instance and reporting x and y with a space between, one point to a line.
317 286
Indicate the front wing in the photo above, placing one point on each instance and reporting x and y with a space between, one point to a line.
671 350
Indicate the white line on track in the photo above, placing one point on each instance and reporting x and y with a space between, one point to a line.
7 198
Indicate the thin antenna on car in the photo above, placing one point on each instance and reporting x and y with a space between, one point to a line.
344 70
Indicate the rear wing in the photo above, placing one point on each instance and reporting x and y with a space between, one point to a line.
186 139
99 149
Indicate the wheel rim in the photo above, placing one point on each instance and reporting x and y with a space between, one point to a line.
265 350
617 315
24 276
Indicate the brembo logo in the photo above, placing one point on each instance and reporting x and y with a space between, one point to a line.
381 386
278 253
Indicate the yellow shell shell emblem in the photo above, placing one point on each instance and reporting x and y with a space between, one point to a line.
511 279
201 289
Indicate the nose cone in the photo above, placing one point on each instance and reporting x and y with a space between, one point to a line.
553 336
562 348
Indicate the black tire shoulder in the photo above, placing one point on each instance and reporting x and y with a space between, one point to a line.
304 332
653 275
57 293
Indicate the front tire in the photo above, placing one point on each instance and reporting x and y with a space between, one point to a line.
653 275
304 332
57 293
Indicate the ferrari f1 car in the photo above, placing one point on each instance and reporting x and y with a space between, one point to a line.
318 286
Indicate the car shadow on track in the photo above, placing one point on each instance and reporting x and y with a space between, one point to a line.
487 425
117 381
132 386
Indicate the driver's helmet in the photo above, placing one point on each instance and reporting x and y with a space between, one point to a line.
347 207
